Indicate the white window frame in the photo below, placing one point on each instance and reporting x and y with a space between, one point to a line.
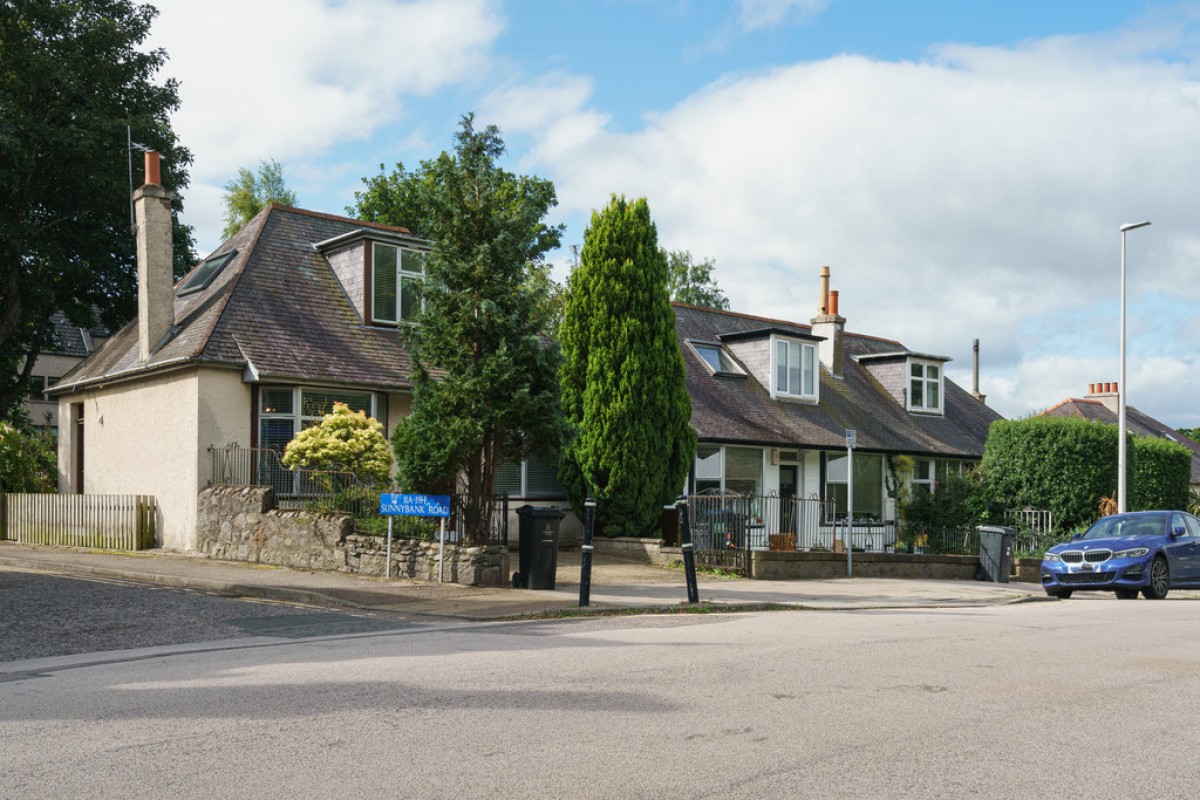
926 382
809 369
300 421
401 275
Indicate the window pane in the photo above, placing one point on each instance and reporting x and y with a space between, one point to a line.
410 298
810 371
318 403
708 463
781 350
274 434
917 388
383 302
412 261
931 372
916 370
932 389
793 368
835 469
868 486
276 400
508 479
711 356
541 477
743 470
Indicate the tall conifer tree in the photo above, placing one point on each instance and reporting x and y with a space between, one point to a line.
623 388
484 377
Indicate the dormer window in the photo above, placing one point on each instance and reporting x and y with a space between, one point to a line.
794 369
396 276
715 358
925 387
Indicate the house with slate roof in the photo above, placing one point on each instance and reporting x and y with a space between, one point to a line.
772 401
69 345
301 309
1100 404
295 312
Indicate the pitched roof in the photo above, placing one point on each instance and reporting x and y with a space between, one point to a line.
70 339
1137 422
276 307
740 409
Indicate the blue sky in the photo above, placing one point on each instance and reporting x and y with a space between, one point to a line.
963 167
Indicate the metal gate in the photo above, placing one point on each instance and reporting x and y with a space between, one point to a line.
726 526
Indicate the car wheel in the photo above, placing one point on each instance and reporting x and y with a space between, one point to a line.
1160 580
1061 594
1127 594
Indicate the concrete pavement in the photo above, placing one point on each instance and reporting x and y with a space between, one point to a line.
616 586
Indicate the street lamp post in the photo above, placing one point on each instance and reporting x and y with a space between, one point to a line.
1121 426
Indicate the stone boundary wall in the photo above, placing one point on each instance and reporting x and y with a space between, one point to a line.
774 566
777 565
238 523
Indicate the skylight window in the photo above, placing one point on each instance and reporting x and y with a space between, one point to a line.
204 274
715 359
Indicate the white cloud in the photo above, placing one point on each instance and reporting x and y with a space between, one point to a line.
755 14
292 78
975 194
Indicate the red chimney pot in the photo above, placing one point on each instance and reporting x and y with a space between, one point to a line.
833 302
153 173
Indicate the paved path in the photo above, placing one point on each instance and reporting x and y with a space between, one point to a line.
615 585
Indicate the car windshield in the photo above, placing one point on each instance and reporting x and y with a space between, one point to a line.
1117 526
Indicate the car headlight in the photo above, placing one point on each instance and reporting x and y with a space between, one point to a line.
1133 552
1051 557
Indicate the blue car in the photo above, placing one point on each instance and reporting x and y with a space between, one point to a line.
1150 552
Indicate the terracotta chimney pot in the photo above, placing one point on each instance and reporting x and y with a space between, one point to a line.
153 168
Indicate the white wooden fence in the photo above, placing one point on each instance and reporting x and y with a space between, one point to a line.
107 521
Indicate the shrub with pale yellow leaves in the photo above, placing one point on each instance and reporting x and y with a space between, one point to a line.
345 441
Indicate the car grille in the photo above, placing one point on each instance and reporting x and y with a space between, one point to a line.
1090 556
1087 577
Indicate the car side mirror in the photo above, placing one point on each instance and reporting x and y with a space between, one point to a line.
1076 537
1180 531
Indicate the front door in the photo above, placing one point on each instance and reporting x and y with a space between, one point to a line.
788 485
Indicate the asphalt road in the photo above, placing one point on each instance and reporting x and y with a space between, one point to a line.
47 615
1090 698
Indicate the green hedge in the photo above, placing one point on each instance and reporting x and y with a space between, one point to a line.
1067 465
1160 474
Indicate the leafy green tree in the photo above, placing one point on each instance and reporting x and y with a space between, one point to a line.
344 441
623 387
29 459
484 376
395 199
73 76
249 194
694 283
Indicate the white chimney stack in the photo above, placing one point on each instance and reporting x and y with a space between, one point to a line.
156 284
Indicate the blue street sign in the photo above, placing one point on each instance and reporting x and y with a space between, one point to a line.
415 505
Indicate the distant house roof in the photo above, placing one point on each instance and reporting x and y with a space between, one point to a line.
739 409
1137 422
72 340
276 308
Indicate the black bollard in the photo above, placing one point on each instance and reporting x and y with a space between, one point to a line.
689 557
585 559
